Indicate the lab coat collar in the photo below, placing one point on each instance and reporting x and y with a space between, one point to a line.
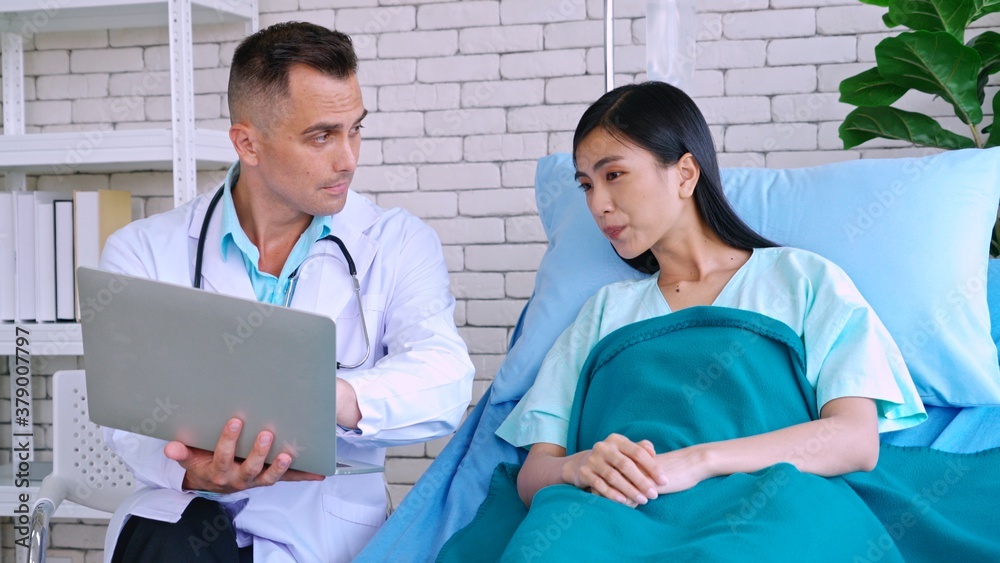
325 284
350 225
227 276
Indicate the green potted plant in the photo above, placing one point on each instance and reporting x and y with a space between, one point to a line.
933 58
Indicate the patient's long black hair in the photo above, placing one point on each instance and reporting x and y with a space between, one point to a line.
666 122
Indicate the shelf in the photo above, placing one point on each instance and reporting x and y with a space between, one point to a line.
47 339
108 151
32 16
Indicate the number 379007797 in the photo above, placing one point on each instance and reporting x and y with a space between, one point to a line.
22 377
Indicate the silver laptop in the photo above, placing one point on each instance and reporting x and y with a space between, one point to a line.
176 363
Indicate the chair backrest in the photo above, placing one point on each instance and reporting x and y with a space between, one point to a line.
94 475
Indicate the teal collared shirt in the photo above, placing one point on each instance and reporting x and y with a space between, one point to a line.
266 287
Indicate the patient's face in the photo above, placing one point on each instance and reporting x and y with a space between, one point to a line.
636 202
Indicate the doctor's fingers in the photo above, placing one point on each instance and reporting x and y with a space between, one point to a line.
278 471
225 448
250 472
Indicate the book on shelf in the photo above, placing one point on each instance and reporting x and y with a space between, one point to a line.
45 257
97 215
24 254
65 270
34 260
44 236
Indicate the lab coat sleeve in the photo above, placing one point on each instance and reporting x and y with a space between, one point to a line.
421 388
143 455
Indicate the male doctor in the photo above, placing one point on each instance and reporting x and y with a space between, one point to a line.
296 113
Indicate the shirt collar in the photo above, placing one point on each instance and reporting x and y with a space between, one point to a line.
232 231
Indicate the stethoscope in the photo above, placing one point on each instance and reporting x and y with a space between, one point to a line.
294 278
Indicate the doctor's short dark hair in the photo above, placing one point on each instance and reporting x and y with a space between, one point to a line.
258 77
663 120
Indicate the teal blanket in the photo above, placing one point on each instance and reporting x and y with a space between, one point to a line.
707 374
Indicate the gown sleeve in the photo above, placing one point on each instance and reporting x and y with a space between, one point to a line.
543 413
849 353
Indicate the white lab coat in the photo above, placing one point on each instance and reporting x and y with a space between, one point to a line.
415 386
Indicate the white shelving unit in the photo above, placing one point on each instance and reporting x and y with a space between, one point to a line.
182 149
47 339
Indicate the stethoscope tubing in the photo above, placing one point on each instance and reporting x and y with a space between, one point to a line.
294 278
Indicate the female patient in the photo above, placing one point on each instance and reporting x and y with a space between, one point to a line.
646 163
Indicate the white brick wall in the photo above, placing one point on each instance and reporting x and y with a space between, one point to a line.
464 97
418 44
770 24
503 93
501 39
461 68
408 97
422 149
449 15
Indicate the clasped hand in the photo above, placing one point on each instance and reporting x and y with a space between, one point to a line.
222 472
632 473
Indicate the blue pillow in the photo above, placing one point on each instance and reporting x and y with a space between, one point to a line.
912 233
993 298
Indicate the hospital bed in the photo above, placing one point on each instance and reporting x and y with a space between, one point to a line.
912 233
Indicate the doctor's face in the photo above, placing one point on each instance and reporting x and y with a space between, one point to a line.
307 153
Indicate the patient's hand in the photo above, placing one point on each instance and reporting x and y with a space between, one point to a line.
618 469
682 468
221 472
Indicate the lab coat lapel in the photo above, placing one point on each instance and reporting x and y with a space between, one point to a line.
325 285
230 276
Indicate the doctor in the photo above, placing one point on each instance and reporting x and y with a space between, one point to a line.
296 113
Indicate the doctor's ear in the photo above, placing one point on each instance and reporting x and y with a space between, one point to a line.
245 138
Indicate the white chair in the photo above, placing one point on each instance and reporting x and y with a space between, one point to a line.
84 469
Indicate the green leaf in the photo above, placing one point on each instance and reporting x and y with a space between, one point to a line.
883 3
869 89
983 7
887 20
984 79
865 124
936 63
952 16
988 47
994 140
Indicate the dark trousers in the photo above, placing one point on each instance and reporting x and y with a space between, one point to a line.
204 533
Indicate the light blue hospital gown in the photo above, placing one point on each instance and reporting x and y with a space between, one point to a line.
849 353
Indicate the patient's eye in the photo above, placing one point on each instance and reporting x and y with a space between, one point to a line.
585 186
613 175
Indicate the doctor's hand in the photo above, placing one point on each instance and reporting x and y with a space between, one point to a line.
222 472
